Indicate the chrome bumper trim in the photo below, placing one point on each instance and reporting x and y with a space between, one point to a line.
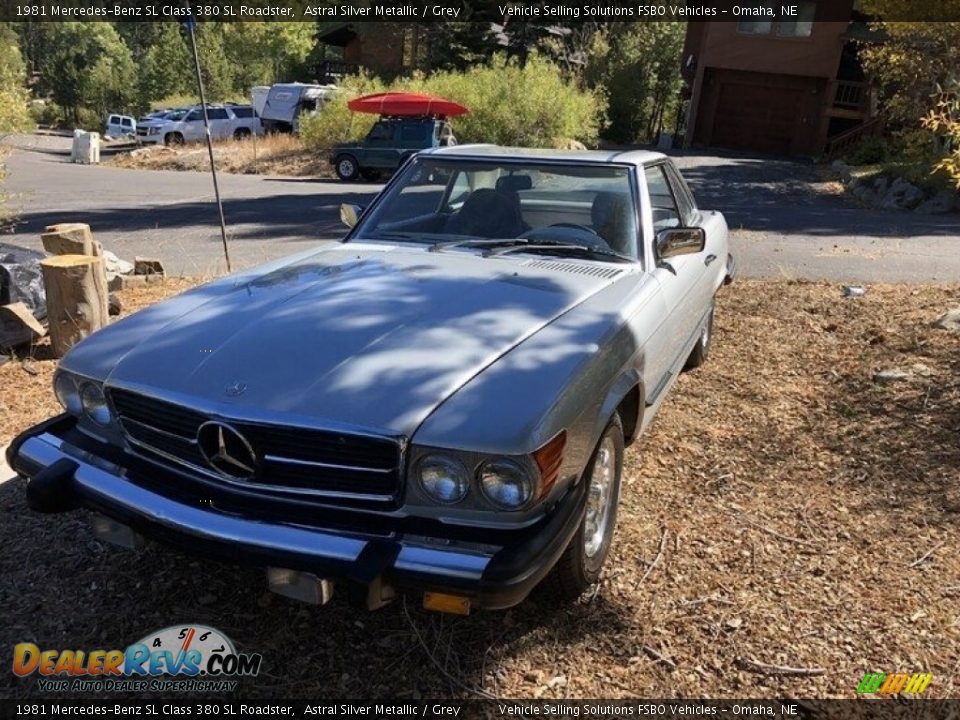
96 482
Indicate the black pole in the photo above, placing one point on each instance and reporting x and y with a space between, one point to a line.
206 125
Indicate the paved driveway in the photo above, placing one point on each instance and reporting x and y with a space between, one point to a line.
784 222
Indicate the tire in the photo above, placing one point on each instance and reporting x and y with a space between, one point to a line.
580 565
700 352
241 134
346 167
173 138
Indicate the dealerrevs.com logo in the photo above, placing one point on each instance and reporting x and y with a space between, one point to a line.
178 658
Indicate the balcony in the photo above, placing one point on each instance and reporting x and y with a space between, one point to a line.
851 99
332 71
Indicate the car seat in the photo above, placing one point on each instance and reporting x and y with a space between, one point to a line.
488 213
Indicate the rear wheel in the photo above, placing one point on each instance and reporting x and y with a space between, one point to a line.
241 134
346 167
579 566
700 352
173 138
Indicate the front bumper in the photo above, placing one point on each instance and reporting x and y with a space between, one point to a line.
64 474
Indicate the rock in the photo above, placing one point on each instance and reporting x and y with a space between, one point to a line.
892 375
147 266
865 195
943 202
114 282
912 197
841 169
881 185
902 195
950 320
116 265
853 291
129 281
921 370
113 304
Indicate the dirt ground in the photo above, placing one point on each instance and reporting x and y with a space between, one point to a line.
785 509
267 155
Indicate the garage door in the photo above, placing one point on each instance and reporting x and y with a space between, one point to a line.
760 112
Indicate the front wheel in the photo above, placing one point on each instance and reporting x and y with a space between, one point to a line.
579 566
173 138
700 352
346 167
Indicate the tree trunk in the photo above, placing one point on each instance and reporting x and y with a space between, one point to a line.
76 298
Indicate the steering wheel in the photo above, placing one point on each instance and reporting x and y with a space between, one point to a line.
576 226
570 233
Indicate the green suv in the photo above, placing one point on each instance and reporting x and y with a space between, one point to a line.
388 145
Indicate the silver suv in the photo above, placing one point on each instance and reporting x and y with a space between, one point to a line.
226 121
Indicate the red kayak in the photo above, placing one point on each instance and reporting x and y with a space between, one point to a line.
406 104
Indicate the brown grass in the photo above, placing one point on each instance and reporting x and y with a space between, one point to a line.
267 155
784 509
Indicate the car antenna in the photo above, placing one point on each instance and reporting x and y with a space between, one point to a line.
191 24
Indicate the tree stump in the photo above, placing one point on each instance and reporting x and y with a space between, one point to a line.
76 298
70 239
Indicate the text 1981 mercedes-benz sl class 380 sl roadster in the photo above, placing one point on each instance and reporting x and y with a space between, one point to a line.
438 404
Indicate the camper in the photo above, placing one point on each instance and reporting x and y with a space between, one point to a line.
285 103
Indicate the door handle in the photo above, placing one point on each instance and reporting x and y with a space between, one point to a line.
709 259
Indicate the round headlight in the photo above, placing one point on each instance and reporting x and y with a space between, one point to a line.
95 404
67 393
505 484
443 478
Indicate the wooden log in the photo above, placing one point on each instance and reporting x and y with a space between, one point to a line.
70 239
76 298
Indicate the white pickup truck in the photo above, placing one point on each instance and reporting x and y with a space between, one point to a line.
226 121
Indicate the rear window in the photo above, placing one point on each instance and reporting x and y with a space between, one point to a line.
217 114
243 112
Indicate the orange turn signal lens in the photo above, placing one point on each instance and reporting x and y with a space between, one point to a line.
549 458
441 602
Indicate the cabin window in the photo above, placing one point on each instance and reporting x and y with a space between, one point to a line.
803 25
755 20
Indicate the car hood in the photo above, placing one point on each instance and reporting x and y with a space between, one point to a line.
366 335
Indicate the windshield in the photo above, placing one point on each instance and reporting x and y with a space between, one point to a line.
455 200
176 115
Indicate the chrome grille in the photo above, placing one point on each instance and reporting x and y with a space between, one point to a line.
301 460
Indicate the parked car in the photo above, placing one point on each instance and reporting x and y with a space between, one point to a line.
388 145
119 126
439 404
186 125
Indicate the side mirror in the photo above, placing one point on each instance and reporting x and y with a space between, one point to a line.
680 241
350 214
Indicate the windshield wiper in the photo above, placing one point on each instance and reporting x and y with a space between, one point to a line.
477 242
558 246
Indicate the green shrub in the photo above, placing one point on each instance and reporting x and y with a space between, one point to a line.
530 106
869 150
337 124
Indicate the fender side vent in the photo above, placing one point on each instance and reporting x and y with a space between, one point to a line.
596 271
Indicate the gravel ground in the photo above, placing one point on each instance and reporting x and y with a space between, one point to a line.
785 509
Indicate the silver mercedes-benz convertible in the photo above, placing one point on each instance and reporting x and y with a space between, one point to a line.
437 404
